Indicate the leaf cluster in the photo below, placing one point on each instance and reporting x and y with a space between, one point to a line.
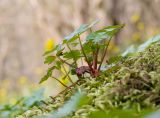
81 56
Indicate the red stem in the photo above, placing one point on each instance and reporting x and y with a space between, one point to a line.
96 57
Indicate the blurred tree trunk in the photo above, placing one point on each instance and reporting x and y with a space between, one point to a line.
26 24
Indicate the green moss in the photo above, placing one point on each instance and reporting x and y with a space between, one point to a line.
134 84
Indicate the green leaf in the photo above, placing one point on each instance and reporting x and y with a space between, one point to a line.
37 96
90 58
49 74
73 36
74 44
59 50
49 59
73 54
71 40
87 46
104 34
50 51
58 65
73 71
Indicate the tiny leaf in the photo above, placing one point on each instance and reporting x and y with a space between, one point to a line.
105 33
58 65
49 74
73 36
87 46
73 54
37 96
59 50
49 59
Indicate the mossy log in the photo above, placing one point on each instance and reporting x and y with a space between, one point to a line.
135 83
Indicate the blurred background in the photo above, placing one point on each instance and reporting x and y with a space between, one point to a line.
30 27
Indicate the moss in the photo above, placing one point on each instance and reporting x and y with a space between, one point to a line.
134 84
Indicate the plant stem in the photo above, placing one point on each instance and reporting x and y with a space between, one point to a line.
70 51
104 54
63 61
90 30
60 82
95 57
65 68
81 61
90 66
44 102
95 54
69 78
70 87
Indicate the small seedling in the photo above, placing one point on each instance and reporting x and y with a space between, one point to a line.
81 56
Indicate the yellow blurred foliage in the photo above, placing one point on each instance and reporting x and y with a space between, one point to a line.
34 86
136 36
113 47
49 44
140 26
39 70
135 18
6 83
3 94
22 80
12 101
64 80
155 32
